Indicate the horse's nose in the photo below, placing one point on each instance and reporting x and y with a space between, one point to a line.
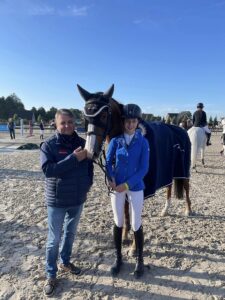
90 154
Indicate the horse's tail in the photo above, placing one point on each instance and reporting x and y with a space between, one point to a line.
179 188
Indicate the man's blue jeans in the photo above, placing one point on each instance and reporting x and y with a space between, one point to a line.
57 216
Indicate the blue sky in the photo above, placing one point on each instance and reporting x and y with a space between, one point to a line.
165 55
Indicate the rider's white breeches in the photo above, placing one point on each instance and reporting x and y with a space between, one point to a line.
136 200
206 128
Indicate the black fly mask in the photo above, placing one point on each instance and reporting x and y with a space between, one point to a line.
97 113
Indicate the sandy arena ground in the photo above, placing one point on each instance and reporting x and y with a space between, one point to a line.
184 256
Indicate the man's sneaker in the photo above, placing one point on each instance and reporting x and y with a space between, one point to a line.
70 268
49 287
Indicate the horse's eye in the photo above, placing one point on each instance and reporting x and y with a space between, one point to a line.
103 116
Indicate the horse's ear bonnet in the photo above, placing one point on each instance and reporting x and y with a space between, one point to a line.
85 94
109 93
95 102
88 96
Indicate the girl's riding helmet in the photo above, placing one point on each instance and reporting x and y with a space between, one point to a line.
132 111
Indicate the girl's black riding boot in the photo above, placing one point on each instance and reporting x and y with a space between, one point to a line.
117 237
139 240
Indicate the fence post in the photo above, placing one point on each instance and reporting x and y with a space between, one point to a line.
21 127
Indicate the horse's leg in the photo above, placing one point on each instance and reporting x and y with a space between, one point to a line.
133 249
126 227
202 156
188 210
168 201
194 150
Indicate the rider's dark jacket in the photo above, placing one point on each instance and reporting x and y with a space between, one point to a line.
67 180
199 118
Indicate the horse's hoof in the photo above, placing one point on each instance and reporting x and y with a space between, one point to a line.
188 213
125 238
164 213
132 252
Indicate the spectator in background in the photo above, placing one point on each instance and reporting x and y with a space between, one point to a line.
41 130
189 123
183 124
11 127
222 152
186 124
53 125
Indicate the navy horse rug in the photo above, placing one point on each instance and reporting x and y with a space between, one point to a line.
170 155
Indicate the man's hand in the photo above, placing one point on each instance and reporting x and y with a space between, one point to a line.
121 188
80 153
112 184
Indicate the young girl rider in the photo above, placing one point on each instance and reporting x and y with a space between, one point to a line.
127 163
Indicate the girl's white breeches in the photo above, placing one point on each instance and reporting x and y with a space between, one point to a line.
136 200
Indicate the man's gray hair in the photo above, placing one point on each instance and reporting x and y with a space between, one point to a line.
64 111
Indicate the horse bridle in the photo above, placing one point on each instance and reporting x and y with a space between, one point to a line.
94 123
94 127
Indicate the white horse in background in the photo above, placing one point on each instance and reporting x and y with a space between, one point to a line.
198 140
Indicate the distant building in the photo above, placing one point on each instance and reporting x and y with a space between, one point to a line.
171 118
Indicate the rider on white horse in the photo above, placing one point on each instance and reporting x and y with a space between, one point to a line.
200 120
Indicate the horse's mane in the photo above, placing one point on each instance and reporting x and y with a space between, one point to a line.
116 105
116 121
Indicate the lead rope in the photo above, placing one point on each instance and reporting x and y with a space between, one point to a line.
102 166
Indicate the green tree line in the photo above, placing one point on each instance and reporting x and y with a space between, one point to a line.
12 107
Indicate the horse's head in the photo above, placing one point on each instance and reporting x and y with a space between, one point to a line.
98 113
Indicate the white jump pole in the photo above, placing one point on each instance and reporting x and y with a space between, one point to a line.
21 127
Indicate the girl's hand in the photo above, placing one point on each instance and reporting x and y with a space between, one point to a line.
121 188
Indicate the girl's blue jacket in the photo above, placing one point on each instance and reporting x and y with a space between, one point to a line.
128 164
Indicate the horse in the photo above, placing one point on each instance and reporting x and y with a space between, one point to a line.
103 115
198 140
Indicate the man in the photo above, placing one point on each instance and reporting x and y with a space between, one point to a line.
200 120
42 129
11 127
69 176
